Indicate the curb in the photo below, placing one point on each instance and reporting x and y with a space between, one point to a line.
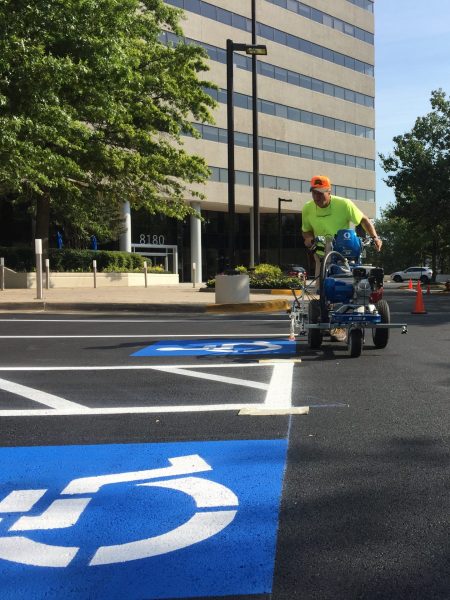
270 291
39 306
267 306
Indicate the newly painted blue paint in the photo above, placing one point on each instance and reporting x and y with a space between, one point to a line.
238 560
220 347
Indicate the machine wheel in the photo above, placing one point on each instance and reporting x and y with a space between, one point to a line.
314 335
381 336
397 279
355 342
424 279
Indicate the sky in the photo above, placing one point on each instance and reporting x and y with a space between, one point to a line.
412 58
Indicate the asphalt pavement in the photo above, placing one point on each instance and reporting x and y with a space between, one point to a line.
345 501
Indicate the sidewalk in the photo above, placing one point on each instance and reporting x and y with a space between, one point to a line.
179 298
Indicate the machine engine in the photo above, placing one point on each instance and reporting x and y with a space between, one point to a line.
348 281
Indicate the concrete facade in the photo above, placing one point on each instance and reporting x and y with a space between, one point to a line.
336 15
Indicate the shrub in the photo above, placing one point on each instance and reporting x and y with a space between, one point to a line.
266 270
69 260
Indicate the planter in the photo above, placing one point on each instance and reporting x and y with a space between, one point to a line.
15 280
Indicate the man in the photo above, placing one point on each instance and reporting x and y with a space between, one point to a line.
325 214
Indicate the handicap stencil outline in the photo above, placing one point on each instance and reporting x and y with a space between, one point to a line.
66 511
228 347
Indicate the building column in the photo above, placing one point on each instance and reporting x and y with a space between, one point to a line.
196 243
252 239
125 238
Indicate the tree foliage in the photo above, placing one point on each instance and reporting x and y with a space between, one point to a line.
92 108
419 171
403 245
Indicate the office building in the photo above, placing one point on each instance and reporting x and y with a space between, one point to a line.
316 112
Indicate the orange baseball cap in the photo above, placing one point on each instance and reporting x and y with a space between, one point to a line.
321 183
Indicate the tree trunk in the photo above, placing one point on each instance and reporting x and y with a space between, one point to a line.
43 222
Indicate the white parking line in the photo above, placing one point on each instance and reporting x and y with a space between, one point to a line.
278 397
204 320
144 335
42 397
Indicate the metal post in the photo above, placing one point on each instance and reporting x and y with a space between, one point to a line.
256 236
279 232
194 267
47 273
252 234
145 273
94 267
231 171
2 273
280 200
38 250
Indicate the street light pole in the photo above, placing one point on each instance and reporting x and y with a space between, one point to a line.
256 223
280 200
231 169
251 49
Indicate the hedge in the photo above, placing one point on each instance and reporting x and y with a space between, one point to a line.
265 276
76 261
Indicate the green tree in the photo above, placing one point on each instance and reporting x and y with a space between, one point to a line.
419 171
92 108
402 245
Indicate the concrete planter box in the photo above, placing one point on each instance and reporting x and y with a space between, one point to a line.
15 280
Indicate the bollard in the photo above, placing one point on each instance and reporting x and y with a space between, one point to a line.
2 273
145 272
47 273
194 267
94 267
38 250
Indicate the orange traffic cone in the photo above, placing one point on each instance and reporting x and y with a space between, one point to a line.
428 290
419 307
410 285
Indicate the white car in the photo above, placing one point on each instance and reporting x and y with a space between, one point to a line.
415 273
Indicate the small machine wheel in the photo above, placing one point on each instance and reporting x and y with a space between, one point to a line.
397 279
381 336
424 279
355 342
314 335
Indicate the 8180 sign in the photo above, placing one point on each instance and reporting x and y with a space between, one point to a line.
148 238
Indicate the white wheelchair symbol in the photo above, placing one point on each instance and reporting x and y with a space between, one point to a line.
229 348
65 512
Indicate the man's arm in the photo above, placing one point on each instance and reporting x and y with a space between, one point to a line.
368 226
308 238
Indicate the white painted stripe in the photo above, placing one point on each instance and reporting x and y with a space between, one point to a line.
201 526
239 335
280 388
60 514
20 500
140 367
179 465
265 412
204 320
123 410
25 551
231 380
38 396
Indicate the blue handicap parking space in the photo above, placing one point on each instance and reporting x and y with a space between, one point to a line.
154 521
219 347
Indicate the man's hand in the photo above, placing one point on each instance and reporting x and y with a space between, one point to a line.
377 243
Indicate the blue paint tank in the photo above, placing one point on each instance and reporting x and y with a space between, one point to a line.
338 290
348 244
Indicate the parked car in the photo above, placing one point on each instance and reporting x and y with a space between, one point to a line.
414 273
295 271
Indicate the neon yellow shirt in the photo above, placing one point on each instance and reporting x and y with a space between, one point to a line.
327 221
